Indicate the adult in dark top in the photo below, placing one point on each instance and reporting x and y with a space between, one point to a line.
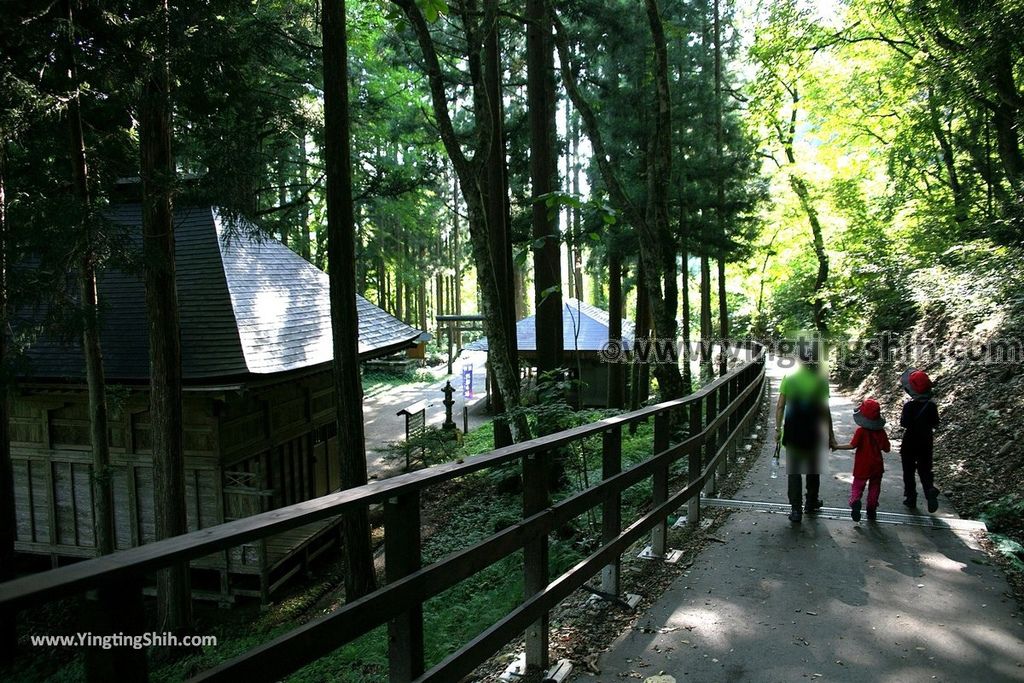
800 416
919 418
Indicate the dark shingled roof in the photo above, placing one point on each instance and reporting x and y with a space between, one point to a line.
247 307
584 327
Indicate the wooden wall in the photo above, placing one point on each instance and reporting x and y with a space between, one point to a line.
285 436
244 452
52 462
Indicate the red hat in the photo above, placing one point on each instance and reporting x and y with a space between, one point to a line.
916 383
869 415
870 409
920 382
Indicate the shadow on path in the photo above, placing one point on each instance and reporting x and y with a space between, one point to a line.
828 600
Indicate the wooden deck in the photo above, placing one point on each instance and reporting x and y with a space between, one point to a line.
286 554
308 541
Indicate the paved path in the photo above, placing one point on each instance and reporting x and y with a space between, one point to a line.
828 599
384 428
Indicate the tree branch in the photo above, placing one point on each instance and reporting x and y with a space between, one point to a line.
438 97
569 80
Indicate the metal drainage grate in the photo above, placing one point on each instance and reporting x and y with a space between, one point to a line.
954 523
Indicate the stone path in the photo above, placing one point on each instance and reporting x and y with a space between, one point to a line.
383 427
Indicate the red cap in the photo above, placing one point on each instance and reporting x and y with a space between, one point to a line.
870 409
920 382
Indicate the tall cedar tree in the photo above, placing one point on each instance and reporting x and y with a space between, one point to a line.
101 491
8 526
348 391
479 183
174 603
723 304
706 317
616 374
496 193
658 252
547 264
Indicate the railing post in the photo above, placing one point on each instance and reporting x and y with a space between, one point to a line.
535 556
402 557
695 463
744 380
611 508
712 443
114 610
724 398
737 416
659 492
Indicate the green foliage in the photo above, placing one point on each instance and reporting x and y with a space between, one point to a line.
1004 518
1004 515
888 110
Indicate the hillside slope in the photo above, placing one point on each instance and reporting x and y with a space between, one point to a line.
969 319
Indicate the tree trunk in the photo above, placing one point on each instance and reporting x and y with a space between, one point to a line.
400 297
103 510
440 297
616 388
304 246
723 304
8 519
321 246
456 255
540 101
576 269
282 197
706 334
174 603
656 246
640 376
421 291
948 161
1006 117
496 203
569 281
484 188
410 292
723 320
684 250
819 304
348 390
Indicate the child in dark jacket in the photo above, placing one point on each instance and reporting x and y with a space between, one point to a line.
870 441
919 419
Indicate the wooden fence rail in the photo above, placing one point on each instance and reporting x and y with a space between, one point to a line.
708 424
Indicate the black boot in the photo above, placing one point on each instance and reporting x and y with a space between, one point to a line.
796 515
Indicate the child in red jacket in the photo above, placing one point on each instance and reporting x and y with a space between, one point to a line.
870 441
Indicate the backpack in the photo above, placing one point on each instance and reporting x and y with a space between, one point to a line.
802 423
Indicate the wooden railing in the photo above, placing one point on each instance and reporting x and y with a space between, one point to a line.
710 424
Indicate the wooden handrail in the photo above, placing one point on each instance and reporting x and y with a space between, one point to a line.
94 573
327 633
321 636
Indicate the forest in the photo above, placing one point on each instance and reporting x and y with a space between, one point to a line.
706 171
